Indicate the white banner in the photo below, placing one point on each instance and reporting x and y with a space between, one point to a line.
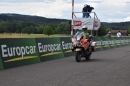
88 22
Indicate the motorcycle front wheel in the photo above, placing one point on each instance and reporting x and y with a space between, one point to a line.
87 57
77 56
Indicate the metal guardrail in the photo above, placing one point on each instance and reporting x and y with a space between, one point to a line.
87 12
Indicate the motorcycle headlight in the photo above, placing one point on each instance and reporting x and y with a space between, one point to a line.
77 43
74 43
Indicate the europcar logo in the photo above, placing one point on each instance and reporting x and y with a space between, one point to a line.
52 48
18 51
67 47
77 23
98 43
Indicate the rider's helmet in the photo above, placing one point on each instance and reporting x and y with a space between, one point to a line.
77 30
84 28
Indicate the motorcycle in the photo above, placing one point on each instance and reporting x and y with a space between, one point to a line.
82 47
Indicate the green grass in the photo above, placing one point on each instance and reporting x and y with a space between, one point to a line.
13 35
16 35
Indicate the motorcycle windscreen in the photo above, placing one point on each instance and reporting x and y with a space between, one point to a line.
79 37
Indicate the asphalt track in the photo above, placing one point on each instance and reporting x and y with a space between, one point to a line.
105 68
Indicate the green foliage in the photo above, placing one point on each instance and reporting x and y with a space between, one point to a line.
101 30
48 30
40 29
117 26
24 30
32 29
108 29
16 23
129 30
63 27
32 19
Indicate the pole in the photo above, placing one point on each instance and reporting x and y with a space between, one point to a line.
72 23
93 25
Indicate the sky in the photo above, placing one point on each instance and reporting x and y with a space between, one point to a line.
106 10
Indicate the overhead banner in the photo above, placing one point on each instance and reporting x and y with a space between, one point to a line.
105 43
98 43
67 46
18 52
90 23
49 48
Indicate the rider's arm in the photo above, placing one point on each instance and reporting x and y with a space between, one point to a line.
84 35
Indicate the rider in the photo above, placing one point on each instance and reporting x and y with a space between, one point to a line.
85 32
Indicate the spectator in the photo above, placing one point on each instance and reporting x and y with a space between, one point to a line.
85 9
108 35
89 9
118 34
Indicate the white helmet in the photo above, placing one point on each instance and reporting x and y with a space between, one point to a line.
84 27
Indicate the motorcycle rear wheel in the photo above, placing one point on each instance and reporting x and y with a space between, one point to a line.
77 56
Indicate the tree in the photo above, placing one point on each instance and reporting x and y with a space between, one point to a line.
24 30
40 29
3 27
48 30
63 27
32 29
102 30
129 30
108 29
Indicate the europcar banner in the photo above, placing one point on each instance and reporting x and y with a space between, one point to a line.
122 41
49 48
18 52
127 40
117 41
90 23
1 64
67 46
98 43
112 42
105 43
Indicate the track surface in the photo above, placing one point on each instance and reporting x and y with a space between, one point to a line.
105 68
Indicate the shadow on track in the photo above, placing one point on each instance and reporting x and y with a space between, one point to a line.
96 60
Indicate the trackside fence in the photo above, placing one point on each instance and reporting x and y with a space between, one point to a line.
16 52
